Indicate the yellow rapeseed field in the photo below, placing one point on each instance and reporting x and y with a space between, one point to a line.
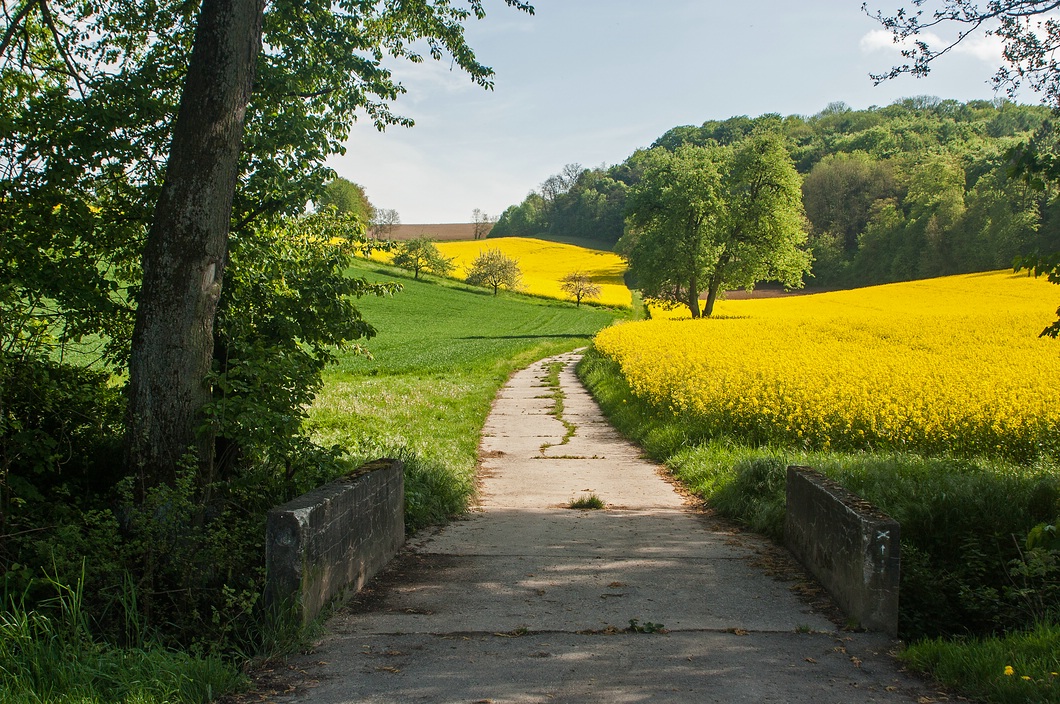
945 366
544 263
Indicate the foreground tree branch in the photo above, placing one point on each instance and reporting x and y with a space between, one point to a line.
1028 30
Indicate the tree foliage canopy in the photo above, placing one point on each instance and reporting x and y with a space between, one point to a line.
421 254
583 203
346 198
579 286
494 269
712 218
287 309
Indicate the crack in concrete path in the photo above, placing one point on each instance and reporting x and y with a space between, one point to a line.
526 600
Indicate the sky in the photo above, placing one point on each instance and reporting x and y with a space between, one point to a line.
591 81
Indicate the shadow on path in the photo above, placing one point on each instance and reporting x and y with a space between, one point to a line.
526 600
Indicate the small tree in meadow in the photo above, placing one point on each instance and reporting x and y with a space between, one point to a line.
383 222
483 223
578 285
421 254
493 269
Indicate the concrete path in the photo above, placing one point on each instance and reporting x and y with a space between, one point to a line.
530 601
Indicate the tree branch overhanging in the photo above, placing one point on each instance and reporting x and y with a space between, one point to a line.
15 23
1029 34
49 21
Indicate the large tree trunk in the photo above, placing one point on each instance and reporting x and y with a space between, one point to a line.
184 258
712 289
693 295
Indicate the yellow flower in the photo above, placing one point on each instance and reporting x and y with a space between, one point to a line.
1009 670
912 366
543 265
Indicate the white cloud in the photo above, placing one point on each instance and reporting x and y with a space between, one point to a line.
878 40
984 47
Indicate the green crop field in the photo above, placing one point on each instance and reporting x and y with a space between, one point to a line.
442 352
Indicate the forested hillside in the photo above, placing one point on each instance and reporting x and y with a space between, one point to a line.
915 189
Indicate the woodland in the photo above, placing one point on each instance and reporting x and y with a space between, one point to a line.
920 188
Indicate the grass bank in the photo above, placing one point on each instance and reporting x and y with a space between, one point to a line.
442 352
967 573
53 655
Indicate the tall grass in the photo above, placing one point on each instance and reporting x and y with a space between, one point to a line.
50 655
1014 669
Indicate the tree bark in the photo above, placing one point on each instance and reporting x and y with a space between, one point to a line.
693 295
693 241
714 286
712 297
184 257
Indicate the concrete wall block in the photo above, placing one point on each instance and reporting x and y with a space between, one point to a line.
848 544
335 538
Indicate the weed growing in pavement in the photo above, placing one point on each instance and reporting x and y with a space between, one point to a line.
592 501
552 381
635 626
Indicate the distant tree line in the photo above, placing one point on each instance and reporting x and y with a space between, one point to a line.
919 188
579 203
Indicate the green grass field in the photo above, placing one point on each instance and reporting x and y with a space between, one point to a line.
442 352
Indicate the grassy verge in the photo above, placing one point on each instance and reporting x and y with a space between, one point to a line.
441 354
52 656
1017 668
965 567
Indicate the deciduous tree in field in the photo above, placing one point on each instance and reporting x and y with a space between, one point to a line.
709 219
670 223
384 220
494 269
579 286
421 254
483 223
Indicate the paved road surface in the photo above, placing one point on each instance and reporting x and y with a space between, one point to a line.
530 601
